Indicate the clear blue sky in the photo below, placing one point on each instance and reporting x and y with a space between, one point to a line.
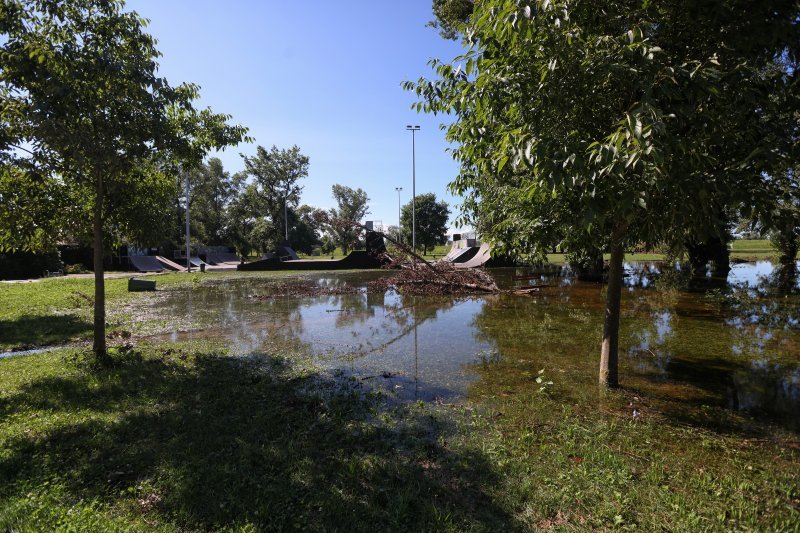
322 75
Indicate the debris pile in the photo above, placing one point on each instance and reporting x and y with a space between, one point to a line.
437 278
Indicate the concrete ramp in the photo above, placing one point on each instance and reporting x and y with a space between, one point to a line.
464 255
227 257
171 265
285 251
145 263
196 261
480 258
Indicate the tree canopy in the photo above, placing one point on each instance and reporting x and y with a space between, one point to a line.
431 218
89 129
637 121
274 186
352 207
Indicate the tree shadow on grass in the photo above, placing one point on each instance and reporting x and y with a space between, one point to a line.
212 442
39 330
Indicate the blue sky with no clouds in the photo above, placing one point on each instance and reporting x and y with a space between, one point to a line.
322 75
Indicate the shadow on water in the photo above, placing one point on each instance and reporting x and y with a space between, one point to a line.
235 441
413 347
731 349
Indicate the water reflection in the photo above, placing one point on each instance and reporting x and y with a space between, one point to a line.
736 348
415 348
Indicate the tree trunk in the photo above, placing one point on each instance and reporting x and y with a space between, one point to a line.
99 280
609 375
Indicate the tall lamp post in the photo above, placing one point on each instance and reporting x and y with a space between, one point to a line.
286 216
413 130
399 211
188 252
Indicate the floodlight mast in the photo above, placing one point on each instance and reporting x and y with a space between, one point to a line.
413 130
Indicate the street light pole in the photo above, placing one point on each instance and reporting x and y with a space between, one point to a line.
188 254
286 216
399 211
413 130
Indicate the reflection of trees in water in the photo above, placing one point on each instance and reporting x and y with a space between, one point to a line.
767 387
546 330
734 349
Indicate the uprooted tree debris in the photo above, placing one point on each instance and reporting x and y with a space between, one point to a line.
437 278
414 275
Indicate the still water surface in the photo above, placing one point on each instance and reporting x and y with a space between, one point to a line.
736 346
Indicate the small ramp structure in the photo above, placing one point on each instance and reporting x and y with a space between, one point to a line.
170 265
145 263
196 262
286 253
481 256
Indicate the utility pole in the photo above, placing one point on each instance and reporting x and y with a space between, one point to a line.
188 254
399 216
413 130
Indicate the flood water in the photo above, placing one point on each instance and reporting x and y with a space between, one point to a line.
733 345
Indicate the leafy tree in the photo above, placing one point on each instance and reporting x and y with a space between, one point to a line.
305 225
638 121
88 124
432 219
275 175
211 189
451 16
352 208
240 215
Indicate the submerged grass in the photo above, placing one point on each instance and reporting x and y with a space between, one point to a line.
60 310
185 437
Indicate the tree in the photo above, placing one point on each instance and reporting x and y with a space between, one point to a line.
638 121
211 189
305 224
240 215
87 122
352 207
432 217
275 175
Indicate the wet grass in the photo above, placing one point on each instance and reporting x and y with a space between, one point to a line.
187 438
60 310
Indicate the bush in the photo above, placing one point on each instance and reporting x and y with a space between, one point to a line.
76 268
25 265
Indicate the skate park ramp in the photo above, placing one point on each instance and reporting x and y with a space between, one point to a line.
196 262
170 265
464 255
145 263
285 252
359 259
480 258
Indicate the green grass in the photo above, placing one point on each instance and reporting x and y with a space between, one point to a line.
184 437
60 310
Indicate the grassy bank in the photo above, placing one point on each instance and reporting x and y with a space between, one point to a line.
60 310
184 437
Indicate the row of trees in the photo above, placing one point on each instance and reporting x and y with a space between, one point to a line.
600 125
246 209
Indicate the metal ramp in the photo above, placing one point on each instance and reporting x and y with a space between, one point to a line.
145 263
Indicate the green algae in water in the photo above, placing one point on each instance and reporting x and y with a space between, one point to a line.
693 354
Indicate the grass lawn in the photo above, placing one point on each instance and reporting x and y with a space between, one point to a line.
184 436
60 310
